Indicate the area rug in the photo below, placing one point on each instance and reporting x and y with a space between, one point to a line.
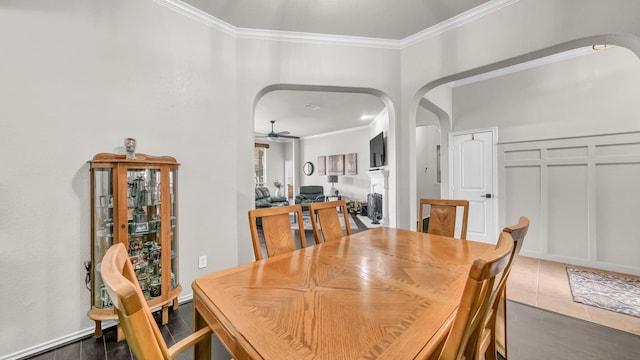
605 291
307 222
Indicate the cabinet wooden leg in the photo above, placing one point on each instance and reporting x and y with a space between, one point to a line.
98 329
165 314
175 303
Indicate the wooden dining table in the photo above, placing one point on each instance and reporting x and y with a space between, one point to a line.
383 293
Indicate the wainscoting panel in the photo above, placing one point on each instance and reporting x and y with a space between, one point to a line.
567 208
582 196
617 215
524 188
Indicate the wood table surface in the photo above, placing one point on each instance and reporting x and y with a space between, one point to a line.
378 294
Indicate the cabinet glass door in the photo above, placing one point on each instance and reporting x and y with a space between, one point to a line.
103 230
144 228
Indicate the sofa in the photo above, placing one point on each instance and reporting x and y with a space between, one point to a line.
308 194
265 200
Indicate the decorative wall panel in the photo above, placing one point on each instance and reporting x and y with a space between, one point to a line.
523 189
567 211
617 201
581 195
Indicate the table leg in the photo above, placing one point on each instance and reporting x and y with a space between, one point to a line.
202 349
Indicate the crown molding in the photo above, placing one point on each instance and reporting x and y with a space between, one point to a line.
202 17
198 15
326 39
320 39
524 66
457 21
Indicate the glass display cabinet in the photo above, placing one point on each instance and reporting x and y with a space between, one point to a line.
134 202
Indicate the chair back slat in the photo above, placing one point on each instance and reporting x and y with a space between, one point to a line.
326 222
496 316
276 228
442 216
475 302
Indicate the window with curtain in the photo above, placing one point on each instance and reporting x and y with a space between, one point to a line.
260 163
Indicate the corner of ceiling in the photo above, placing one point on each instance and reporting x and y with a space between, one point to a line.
244 33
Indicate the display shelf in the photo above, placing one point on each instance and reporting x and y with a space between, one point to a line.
134 202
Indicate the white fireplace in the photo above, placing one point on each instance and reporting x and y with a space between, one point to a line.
379 180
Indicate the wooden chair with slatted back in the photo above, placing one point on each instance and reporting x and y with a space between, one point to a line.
442 216
460 343
134 316
276 228
328 220
494 336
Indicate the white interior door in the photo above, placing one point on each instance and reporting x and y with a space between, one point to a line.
472 173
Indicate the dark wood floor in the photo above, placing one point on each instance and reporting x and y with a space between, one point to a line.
107 348
534 334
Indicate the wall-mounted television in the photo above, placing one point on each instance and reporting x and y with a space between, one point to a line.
376 151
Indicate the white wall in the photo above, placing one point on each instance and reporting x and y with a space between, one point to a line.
555 166
77 78
351 187
586 95
276 155
427 138
525 30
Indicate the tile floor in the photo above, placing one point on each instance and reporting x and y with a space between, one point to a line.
544 284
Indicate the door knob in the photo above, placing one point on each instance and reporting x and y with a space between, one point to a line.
488 196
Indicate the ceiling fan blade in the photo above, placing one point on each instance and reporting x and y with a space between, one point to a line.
279 136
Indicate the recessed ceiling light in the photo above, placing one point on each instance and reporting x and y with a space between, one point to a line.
312 106
366 117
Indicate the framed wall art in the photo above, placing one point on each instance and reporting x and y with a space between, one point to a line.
321 165
335 164
351 164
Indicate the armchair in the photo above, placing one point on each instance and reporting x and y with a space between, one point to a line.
308 194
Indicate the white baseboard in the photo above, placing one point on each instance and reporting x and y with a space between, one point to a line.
70 338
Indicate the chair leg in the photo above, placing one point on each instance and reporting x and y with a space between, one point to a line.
501 342
490 354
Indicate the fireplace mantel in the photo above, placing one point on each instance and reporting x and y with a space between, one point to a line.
379 180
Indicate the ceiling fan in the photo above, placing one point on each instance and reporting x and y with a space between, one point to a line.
280 135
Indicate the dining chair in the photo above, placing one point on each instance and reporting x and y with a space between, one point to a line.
442 216
479 290
494 335
134 316
324 217
276 229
